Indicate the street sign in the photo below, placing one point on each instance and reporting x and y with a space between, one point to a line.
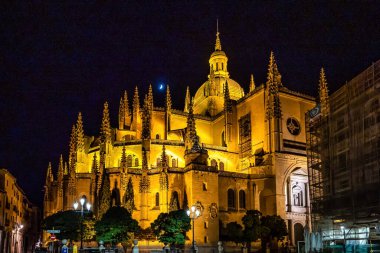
53 231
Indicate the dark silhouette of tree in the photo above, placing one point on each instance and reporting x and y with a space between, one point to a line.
171 228
273 229
252 226
68 222
129 197
104 196
116 225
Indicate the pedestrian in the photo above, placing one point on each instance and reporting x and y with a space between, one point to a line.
75 248
120 248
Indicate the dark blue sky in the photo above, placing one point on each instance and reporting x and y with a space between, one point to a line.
59 59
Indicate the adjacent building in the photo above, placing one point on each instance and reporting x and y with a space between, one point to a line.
343 144
227 151
19 219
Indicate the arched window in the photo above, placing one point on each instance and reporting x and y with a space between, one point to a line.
222 66
174 163
221 166
242 199
129 161
158 161
223 139
136 162
231 198
157 136
213 163
297 195
157 199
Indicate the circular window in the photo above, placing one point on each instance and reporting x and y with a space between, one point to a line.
293 126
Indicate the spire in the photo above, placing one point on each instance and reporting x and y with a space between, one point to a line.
105 129
150 98
80 133
164 162
218 45
73 146
66 169
49 175
187 100
191 132
123 161
273 84
168 105
60 169
94 164
146 120
323 93
252 85
127 112
136 103
227 99
144 181
212 86
121 114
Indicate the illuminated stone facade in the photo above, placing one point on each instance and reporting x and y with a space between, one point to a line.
227 151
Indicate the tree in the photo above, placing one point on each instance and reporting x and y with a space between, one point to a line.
116 225
252 226
235 232
68 222
273 228
129 196
171 228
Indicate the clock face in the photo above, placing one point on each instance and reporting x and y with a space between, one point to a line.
293 126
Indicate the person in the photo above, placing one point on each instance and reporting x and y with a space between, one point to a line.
287 249
75 248
120 248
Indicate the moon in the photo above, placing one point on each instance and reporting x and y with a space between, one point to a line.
161 87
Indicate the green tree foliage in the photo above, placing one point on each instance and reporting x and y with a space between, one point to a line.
171 228
104 195
276 226
252 225
116 225
129 197
68 222
273 228
89 229
235 232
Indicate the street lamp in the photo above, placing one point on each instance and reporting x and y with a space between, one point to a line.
344 238
193 213
88 206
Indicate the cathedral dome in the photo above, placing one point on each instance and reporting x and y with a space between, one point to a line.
209 98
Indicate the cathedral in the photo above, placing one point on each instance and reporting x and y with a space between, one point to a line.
227 151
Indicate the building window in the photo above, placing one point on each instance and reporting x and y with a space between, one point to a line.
231 198
245 135
158 161
206 239
129 161
174 202
297 195
157 136
221 166
222 66
242 199
136 162
157 199
206 224
214 163
204 186
174 163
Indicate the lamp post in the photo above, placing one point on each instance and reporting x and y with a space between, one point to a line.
88 206
193 213
342 228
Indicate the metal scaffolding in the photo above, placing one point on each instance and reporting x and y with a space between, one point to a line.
343 150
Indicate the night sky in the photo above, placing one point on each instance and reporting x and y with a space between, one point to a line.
59 59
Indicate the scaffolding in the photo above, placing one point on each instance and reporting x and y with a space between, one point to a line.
343 150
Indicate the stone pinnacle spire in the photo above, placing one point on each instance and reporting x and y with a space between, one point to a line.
150 98
72 148
187 100
60 169
227 99
136 103
94 164
168 105
80 133
252 85
273 83
323 93
145 133
49 175
121 114
218 45
105 129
